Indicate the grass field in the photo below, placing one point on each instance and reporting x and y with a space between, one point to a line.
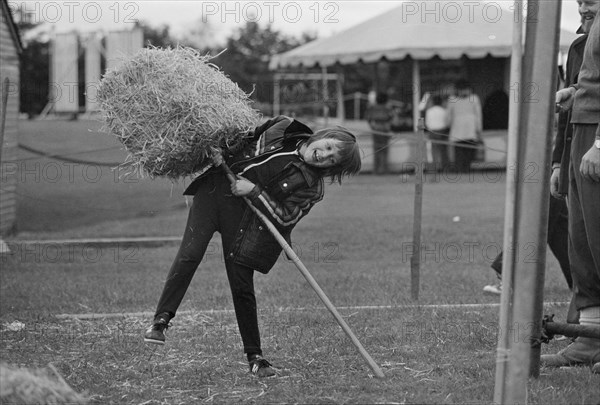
56 194
357 245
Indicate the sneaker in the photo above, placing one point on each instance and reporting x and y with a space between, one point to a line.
495 289
260 367
583 351
156 333
596 368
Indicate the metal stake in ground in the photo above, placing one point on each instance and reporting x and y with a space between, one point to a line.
311 281
415 260
4 106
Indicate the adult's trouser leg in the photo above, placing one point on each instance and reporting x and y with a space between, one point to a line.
497 264
458 157
584 223
463 156
469 155
558 236
558 241
443 153
439 151
380 150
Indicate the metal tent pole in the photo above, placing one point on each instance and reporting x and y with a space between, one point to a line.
510 206
538 87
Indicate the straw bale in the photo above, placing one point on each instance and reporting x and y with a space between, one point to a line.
36 386
171 108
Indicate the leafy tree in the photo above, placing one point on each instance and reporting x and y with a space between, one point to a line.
159 37
247 55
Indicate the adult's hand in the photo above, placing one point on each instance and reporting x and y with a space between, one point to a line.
564 98
590 164
554 180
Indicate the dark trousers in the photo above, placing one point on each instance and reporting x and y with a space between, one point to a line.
464 154
380 153
558 242
584 222
214 209
558 230
558 239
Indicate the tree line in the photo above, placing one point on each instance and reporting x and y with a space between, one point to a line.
244 58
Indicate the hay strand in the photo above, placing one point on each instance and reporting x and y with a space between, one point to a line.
171 108
36 386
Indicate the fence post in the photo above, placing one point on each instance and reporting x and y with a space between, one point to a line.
510 203
415 260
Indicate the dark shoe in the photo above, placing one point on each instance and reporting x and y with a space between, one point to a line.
261 367
156 333
583 351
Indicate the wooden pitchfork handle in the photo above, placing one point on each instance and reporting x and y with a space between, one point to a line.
311 281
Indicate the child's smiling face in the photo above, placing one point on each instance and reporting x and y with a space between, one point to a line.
322 153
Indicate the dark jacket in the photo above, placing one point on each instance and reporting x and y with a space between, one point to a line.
564 135
286 188
586 102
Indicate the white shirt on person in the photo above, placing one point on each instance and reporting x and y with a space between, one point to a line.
436 118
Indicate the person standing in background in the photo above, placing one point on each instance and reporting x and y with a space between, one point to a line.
583 100
436 125
379 116
465 123
559 181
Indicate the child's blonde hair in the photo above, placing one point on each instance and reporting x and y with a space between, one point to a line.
350 160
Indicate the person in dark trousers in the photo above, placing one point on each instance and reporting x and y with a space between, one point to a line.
465 123
379 116
559 180
559 183
583 100
558 241
280 168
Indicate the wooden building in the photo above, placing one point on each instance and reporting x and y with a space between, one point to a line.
10 49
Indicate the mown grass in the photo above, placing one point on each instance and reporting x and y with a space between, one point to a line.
57 194
356 243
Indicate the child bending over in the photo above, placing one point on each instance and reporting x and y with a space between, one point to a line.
280 168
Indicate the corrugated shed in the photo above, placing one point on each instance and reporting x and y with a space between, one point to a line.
64 73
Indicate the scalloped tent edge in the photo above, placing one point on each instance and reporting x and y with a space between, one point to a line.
386 36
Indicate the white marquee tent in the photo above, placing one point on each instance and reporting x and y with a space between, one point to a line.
420 30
